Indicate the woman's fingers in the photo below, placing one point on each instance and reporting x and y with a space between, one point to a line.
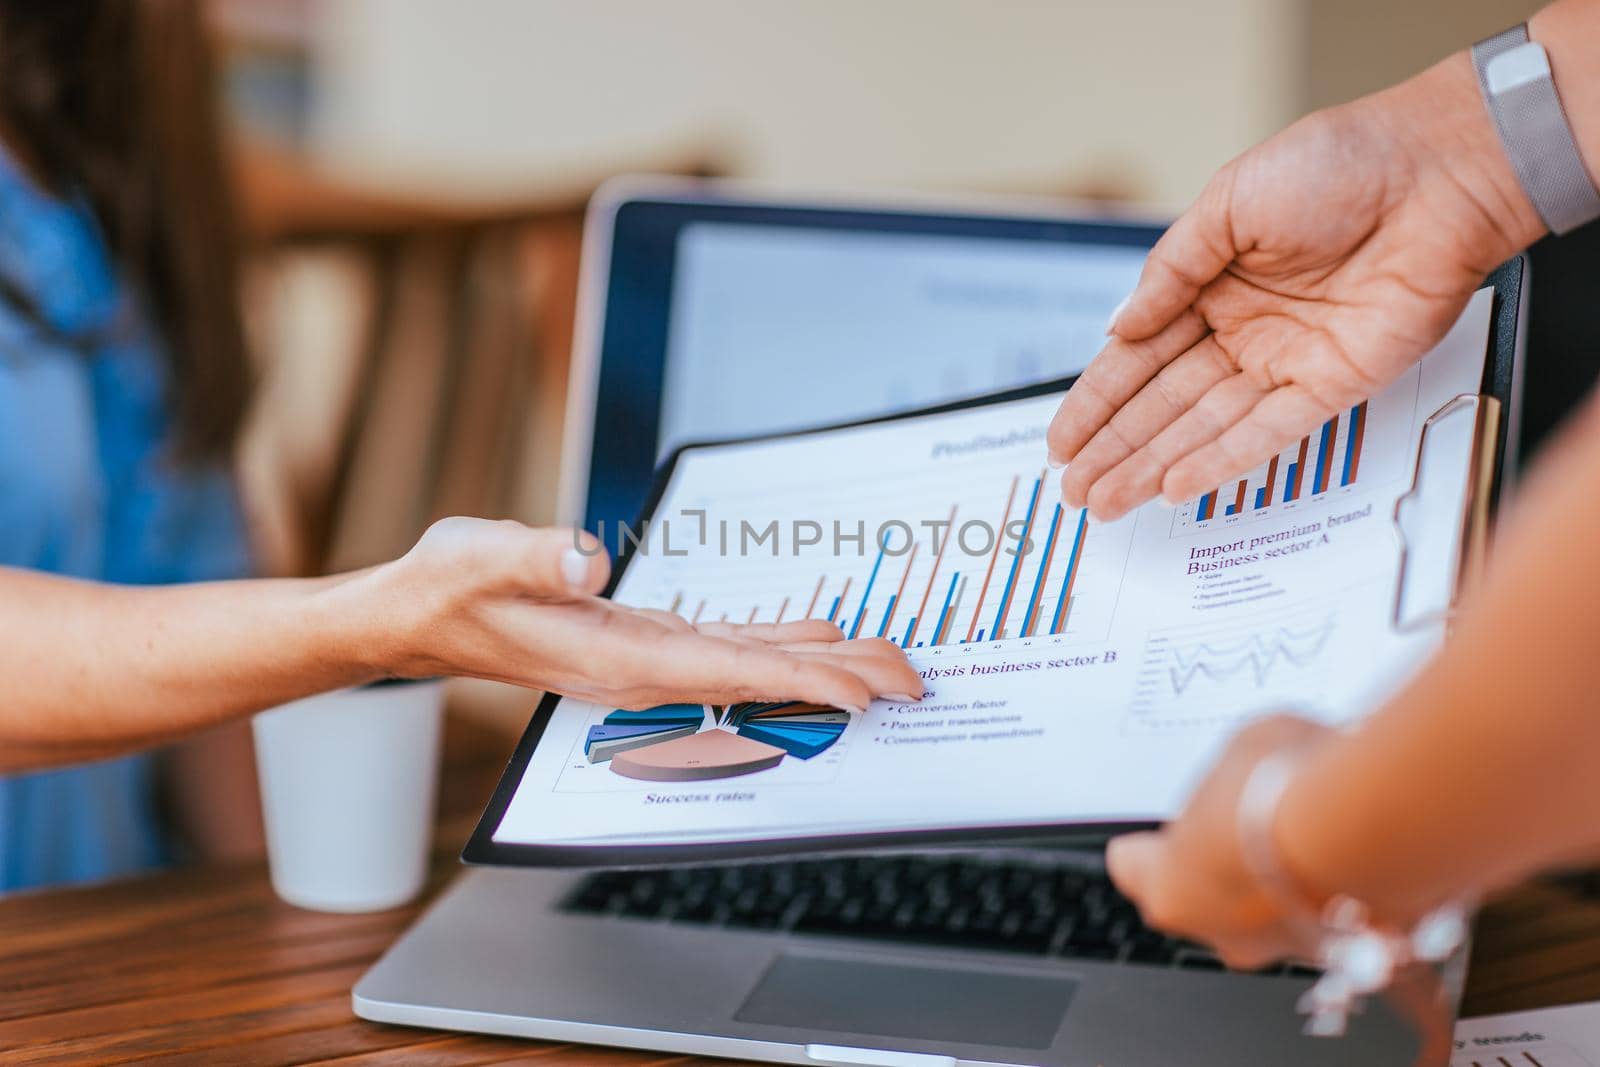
1279 419
671 620
568 563
547 562
878 661
506 557
1115 376
1175 389
776 632
654 656
1139 477
860 646
1193 251
716 670
886 675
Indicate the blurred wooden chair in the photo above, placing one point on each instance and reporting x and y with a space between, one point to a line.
416 361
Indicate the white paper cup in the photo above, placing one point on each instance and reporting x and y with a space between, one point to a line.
348 780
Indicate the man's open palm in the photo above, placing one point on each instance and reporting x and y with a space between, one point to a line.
1311 273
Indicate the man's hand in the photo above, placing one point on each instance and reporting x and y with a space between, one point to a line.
1190 877
1312 271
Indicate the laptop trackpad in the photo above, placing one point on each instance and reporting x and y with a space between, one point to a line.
906 1000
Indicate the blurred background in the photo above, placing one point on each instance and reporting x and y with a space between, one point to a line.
415 173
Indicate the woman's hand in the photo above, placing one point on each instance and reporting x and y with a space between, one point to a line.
1190 878
506 602
1312 271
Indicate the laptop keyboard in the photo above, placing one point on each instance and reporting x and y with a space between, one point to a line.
962 902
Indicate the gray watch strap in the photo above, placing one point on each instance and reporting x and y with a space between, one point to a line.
1514 75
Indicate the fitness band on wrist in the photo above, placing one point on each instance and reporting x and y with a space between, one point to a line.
1520 92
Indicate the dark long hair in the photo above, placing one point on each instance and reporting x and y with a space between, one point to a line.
115 101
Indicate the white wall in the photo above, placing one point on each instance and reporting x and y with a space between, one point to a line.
1359 46
493 95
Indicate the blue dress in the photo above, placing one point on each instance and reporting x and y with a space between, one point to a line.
87 489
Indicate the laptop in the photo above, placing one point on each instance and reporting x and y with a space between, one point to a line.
821 929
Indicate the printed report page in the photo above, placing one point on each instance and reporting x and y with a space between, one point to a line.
1076 671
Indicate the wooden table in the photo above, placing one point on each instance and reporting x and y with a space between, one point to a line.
208 967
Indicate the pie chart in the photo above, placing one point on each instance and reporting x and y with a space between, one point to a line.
801 730
624 730
604 742
697 758
675 743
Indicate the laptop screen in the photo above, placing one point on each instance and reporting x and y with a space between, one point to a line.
722 318
774 328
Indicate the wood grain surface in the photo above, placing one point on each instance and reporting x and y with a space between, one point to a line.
206 966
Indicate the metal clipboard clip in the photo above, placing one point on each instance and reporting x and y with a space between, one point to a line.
1458 562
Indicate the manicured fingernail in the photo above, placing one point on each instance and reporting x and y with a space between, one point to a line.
575 568
1054 462
901 698
852 707
1116 313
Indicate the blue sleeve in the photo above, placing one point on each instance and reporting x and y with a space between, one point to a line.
167 521
208 540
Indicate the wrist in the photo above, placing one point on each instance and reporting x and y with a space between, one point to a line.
1275 864
1440 119
1295 838
362 623
1325 847
1361 948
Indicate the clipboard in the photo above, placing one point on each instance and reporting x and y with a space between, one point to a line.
1490 416
1487 417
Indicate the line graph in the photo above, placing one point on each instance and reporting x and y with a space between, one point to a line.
1255 655
1198 676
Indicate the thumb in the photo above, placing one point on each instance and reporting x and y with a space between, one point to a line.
1131 861
561 563
1190 255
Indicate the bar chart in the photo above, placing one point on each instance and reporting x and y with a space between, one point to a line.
1326 461
1536 1054
1006 563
